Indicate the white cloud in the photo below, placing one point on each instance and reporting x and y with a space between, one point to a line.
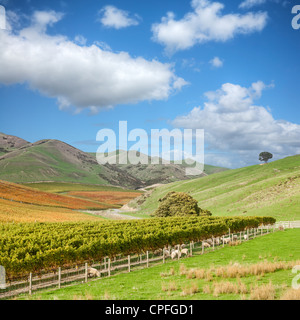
205 23
240 129
113 17
216 62
81 40
81 76
251 3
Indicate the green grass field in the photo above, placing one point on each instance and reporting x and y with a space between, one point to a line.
272 189
171 280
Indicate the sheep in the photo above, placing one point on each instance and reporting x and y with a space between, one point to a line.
205 244
235 237
92 272
226 240
217 241
209 241
167 253
245 237
178 253
184 252
182 246
158 251
173 255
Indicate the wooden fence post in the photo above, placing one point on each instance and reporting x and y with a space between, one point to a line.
223 242
147 259
86 272
240 236
163 255
191 249
109 267
30 283
59 277
128 263
213 244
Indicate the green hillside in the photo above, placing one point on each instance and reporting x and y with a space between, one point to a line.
56 161
49 160
272 189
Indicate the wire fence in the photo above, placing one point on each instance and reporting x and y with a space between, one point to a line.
82 273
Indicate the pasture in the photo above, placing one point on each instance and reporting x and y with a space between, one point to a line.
200 277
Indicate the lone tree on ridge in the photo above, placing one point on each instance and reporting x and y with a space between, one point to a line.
265 156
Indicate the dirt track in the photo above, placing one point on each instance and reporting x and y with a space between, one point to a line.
110 214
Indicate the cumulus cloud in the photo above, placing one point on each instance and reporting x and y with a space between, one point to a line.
238 128
76 75
216 62
205 23
247 4
113 17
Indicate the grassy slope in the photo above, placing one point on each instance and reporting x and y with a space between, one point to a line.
272 189
43 163
159 173
147 284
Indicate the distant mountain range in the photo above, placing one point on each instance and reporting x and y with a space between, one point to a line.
54 160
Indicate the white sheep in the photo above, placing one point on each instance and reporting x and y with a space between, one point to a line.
226 240
205 244
178 253
235 237
210 241
184 252
158 251
92 272
167 253
173 255
245 237
217 241
182 246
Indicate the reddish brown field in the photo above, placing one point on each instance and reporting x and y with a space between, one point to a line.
108 197
17 193
11 211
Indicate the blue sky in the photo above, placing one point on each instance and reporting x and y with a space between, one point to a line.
70 68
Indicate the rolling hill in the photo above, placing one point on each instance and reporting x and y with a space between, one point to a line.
272 189
54 160
150 174
10 143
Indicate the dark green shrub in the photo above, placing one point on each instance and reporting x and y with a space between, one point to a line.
179 204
